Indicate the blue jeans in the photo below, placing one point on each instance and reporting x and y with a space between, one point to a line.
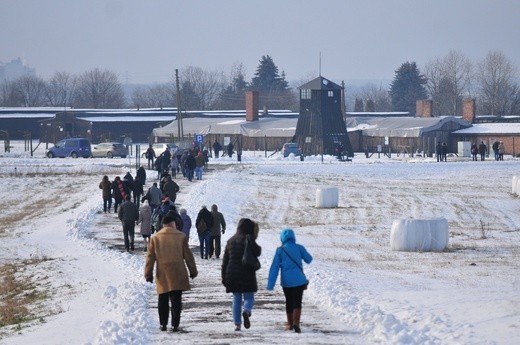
198 172
249 301
190 174
204 241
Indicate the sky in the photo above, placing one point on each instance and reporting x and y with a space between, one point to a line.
360 292
145 41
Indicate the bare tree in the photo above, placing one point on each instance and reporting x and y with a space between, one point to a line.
376 98
206 86
162 95
60 89
232 94
9 94
499 94
31 90
99 89
449 80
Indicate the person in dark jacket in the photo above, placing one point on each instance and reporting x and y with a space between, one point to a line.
186 223
444 151
218 229
106 186
141 173
171 188
288 260
216 148
128 180
238 278
138 190
119 192
230 149
482 149
203 223
165 161
150 155
190 166
158 165
128 214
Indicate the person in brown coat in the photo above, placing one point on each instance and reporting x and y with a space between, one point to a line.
106 186
169 248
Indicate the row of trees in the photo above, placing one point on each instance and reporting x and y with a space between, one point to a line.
199 90
447 81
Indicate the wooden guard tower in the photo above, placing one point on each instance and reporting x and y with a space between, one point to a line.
321 127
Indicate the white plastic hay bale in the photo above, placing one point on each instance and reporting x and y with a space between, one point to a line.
516 185
423 235
327 197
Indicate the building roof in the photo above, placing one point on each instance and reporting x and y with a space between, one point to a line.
320 83
491 128
378 114
401 126
266 126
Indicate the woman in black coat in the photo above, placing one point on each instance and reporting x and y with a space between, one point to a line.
237 278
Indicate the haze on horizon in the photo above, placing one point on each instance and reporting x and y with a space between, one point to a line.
145 41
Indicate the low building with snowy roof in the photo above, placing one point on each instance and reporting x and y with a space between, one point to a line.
405 134
489 133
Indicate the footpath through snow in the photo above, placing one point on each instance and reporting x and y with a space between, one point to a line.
206 319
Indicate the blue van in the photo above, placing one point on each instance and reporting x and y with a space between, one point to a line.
72 147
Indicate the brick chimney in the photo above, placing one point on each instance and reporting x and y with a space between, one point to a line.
252 105
424 108
468 110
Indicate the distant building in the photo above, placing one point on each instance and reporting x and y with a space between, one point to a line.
14 70
321 126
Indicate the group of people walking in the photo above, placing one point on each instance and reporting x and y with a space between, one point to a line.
175 264
166 232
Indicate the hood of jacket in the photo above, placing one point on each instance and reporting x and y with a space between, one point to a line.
287 235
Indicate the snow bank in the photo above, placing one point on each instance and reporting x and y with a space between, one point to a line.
419 234
327 197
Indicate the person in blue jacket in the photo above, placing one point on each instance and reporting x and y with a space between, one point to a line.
288 260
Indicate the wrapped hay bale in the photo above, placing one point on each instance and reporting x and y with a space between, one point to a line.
516 185
422 235
327 197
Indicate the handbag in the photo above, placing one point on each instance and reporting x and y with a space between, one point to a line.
301 269
249 259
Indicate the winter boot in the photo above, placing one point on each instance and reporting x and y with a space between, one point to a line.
289 324
296 320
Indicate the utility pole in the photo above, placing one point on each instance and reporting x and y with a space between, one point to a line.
180 129
343 107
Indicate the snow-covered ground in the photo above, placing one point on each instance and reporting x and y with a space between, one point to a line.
361 291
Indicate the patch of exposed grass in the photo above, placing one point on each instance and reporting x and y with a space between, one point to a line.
19 294
38 208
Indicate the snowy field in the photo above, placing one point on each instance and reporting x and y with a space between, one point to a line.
95 294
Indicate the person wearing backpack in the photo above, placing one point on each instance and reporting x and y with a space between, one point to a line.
288 260
203 223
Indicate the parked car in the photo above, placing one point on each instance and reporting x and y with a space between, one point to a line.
289 148
72 147
158 148
109 150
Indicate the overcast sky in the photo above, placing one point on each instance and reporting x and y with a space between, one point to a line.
145 40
